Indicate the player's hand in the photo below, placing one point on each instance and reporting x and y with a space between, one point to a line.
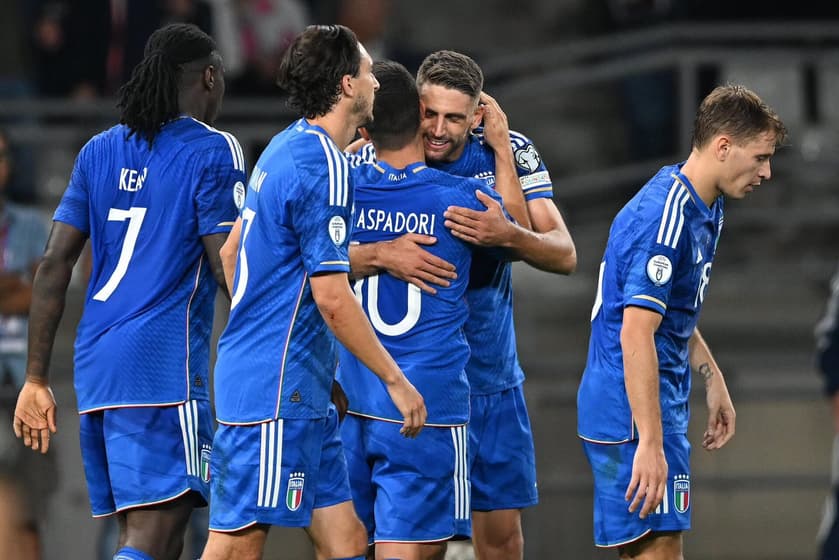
649 479
356 145
410 404
339 399
496 127
405 259
35 415
487 228
721 415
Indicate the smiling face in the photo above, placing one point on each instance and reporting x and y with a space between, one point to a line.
746 164
448 116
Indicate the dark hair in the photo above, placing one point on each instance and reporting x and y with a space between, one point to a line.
150 97
396 117
314 64
735 110
452 70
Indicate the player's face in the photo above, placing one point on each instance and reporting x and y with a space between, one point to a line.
448 116
747 165
365 86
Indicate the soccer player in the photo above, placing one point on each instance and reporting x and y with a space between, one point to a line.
632 404
827 337
396 195
502 460
277 457
155 195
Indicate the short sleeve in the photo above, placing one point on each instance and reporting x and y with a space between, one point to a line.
322 213
649 266
533 174
220 193
74 208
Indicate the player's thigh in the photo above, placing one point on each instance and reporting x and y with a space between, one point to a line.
502 457
611 466
412 551
337 532
666 545
143 456
499 528
421 484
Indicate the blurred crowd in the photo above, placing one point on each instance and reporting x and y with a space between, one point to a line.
85 49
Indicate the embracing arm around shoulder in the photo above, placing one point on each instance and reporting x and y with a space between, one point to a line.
406 259
641 377
345 318
721 415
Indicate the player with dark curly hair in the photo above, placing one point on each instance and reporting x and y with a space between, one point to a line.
155 196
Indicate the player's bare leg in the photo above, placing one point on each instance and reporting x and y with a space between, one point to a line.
336 532
411 551
246 544
664 545
157 530
497 535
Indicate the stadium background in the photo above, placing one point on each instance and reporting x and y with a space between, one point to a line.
607 90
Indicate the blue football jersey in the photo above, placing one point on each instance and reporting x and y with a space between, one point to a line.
144 335
423 333
276 358
659 256
493 365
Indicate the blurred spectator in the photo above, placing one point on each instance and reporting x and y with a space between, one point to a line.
827 337
265 28
15 54
23 235
70 39
15 539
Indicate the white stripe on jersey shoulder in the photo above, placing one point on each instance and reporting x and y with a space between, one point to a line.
235 149
518 140
338 170
673 215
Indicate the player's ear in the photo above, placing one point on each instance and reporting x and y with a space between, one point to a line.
362 131
478 117
346 85
722 146
209 77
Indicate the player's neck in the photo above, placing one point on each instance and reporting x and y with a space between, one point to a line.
337 125
402 157
699 173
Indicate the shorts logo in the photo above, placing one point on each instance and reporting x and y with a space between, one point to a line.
206 451
681 492
337 229
528 158
294 494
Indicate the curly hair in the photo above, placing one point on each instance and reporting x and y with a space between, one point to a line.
312 67
150 97
738 111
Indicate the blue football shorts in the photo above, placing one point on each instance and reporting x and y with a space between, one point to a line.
611 465
276 473
502 459
142 456
408 490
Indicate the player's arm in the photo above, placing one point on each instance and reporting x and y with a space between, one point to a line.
228 254
35 410
497 135
640 364
344 316
404 258
213 245
721 416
